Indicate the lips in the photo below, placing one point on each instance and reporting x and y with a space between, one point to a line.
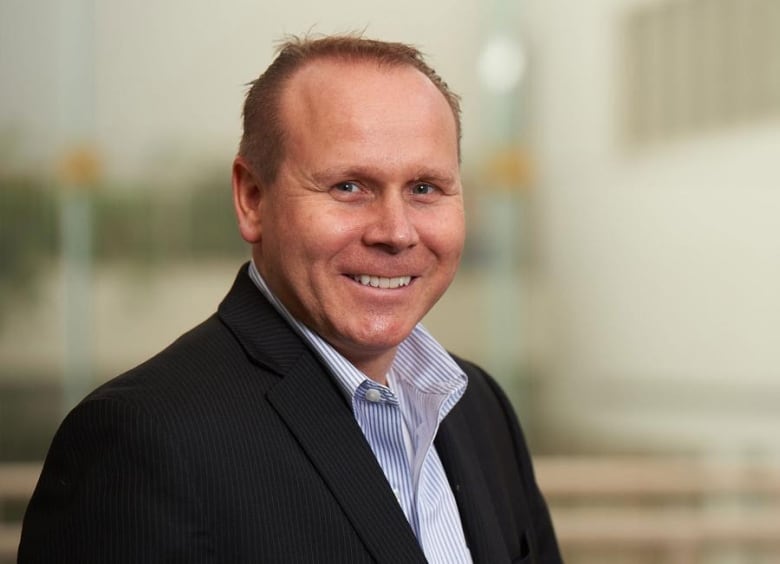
381 281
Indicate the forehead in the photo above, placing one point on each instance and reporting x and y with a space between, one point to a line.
339 90
328 68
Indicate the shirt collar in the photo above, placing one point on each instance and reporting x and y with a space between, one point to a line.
421 362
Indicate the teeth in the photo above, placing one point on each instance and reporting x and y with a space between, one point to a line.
380 282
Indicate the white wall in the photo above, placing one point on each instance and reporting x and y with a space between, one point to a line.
661 265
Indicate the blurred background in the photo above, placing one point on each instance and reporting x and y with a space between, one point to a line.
621 164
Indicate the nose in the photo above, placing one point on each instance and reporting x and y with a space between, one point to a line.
391 225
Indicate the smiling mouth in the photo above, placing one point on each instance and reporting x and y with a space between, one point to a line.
382 282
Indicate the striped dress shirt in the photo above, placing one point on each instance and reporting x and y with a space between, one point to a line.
400 422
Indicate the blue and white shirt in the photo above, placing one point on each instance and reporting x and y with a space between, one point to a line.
400 422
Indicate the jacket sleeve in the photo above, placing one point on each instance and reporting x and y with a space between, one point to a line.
113 489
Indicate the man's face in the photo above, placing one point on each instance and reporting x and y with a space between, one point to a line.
363 229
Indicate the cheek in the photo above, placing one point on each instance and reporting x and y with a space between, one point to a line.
445 234
320 234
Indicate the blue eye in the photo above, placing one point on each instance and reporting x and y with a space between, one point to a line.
422 189
349 187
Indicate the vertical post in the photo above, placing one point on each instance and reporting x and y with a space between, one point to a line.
501 68
77 172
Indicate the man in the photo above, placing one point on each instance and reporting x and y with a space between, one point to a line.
311 419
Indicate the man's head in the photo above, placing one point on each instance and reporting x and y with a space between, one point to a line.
358 227
263 142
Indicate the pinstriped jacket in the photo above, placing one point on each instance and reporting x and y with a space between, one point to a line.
234 444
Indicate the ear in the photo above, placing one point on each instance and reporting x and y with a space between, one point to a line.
247 197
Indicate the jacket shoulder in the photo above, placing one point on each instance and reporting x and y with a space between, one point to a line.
205 365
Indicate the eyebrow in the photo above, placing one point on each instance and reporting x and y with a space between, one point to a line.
373 174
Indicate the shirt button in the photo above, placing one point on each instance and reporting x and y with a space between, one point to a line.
373 395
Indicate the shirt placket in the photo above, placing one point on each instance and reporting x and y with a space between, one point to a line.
379 416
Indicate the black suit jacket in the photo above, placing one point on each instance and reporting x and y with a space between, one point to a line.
236 445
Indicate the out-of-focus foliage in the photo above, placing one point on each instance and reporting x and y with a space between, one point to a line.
28 234
136 224
143 224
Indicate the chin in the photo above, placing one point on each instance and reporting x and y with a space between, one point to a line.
380 338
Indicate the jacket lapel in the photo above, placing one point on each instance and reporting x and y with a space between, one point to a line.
314 409
318 416
477 513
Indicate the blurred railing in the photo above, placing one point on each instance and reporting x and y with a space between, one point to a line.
657 509
605 509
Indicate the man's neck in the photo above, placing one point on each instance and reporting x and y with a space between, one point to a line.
375 366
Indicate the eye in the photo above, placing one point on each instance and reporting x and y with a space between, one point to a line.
347 187
423 189
349 191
